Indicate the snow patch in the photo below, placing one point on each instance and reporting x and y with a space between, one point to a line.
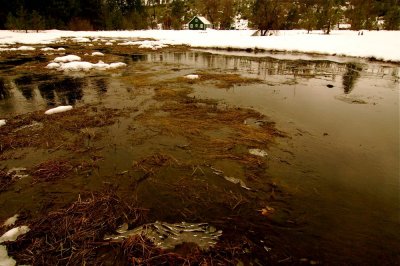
67 58
108 43
26 48
258 152
86 66
5 260
192 76
46 49
53 65
13 234
97 54
11 221
58 109
81 39
2 122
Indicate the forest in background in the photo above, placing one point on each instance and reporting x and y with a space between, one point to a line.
264 15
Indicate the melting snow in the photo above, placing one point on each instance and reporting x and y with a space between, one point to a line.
192 76
5 260
11 221
67 58
86 66
97 54
167 236
13 234
2 122
58 109
258 152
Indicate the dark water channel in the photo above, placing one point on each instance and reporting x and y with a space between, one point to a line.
339 163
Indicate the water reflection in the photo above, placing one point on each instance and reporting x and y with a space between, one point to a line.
68 90
4 92
101 85
350 77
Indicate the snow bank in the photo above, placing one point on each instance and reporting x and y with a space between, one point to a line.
21 48
382 45
192 76
13 234
5 260
2 122
58 109
67 58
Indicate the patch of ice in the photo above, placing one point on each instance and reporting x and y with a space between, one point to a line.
5 260
58 109
61 49
97 54
235 180
2 122
258 152
168 236
11 221
67 58
53 65
108 43
13 234
192 76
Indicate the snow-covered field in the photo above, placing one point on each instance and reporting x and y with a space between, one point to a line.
381 45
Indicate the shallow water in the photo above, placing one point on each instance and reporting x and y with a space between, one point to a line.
339 163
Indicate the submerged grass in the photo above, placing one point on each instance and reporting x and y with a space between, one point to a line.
56 130
71 236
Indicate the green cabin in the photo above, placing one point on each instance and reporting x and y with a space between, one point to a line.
199 23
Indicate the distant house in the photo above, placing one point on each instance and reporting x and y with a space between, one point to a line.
199 23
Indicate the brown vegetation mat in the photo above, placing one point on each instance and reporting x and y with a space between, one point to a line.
72 235
57 130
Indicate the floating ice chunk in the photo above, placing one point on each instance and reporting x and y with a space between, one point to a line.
258 152
53 65
97 54
2 122
13 234
5 260
58 109
26 48
11 221
192 76
67 58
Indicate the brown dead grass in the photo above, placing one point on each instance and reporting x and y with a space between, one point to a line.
71 236
57 130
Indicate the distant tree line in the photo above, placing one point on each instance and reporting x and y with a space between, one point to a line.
266 15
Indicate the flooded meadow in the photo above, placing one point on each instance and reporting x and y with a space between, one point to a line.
200 157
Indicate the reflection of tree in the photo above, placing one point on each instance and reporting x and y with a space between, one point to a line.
101 85
68 90
4 93
351 76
